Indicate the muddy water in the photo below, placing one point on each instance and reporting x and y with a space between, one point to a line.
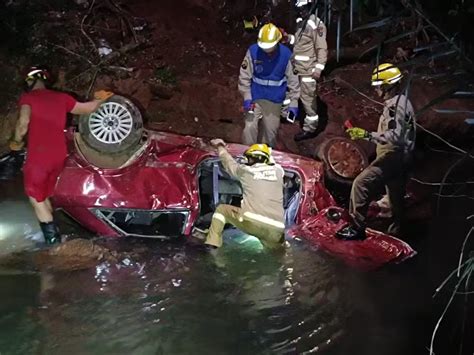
167 298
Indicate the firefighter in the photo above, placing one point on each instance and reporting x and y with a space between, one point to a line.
265 75
310 52
395 139
261 213
43 117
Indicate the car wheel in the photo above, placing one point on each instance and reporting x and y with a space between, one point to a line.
343 159
116 127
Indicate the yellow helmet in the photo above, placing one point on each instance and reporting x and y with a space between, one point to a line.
269 36
260 152
385 73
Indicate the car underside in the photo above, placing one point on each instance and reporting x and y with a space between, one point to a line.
162 185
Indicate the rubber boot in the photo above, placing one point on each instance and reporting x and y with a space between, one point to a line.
50 233
303 135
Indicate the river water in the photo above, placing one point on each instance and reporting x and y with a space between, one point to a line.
168 298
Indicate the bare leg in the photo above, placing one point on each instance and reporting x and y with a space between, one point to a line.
49 205
43 210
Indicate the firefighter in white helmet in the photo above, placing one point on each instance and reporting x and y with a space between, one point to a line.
395 139
310 52
265 76
261 213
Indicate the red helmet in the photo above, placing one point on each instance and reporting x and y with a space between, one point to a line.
37 72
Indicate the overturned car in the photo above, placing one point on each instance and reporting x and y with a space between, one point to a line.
123 180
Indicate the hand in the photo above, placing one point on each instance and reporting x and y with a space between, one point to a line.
292 114
217 142
316 74
357 133
16 146
103 95
248 105
284 34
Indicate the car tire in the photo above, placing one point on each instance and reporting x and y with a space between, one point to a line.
115 128
343 159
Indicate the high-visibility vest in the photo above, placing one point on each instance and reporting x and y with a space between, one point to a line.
269 79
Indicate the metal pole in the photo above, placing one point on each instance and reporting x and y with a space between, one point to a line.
351 15
338 40
325 11
329 13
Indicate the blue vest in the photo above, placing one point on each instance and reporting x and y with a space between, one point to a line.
269 79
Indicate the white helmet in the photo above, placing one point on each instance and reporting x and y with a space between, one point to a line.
300 3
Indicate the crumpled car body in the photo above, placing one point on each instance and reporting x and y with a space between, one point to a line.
175 182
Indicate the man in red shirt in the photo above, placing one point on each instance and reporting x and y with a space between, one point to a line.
43 116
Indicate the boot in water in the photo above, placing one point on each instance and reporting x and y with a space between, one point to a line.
50 233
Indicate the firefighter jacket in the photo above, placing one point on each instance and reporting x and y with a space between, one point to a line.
268 76
310 49
396 130
262 189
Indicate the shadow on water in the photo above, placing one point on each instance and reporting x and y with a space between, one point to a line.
168 298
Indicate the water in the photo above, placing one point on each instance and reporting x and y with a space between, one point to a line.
168 298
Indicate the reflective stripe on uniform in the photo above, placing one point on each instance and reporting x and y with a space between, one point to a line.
320 66
308 79
312 24
219 216
312 118
269 82
287 102
264 220
299 19
303 58
292 39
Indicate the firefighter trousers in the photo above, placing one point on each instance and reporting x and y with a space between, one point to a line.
308 98
390 171
261 125
270 236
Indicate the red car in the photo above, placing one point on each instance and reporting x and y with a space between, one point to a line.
123 180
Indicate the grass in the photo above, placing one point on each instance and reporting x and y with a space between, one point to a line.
166 76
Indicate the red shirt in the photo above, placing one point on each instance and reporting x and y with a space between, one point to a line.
46 139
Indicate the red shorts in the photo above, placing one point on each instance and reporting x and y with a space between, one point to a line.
40 178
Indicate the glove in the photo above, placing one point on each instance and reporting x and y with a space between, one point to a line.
248 105
103 95
16 146
251 24
285 38
357 133
316 74
217 142
292 114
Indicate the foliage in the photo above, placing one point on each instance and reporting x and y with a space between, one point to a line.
166 76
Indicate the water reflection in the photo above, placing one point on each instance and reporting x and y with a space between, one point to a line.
170 299
176 300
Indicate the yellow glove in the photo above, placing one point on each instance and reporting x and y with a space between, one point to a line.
16 146
357 133
103 95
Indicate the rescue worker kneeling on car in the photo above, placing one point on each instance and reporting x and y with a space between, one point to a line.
265 76
395 139
261 213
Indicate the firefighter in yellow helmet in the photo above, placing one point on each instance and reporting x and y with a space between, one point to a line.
265 76
395 139
261 213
